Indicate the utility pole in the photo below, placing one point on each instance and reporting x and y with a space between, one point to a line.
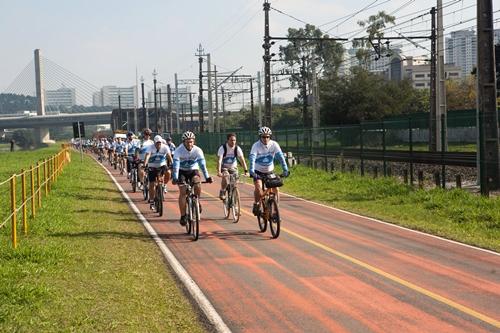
441 82
136 101
169 109
209 90
489 159
251 104
434 120
267 66
200 96
303 73
191 110
120 118
145 111
154 98
223 110
217 120
177 103
260 98
315 113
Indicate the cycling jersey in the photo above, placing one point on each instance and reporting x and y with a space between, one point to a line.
186 160
119 148
130 147
230 161
144 148
262 157
172 147
158 157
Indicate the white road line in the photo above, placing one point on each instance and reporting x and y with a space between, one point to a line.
195 291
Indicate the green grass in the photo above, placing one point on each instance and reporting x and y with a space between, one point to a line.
87 265
13 162
453 214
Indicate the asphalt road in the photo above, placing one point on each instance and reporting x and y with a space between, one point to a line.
329 271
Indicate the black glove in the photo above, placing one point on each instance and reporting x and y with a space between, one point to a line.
285 174
175 181
209 180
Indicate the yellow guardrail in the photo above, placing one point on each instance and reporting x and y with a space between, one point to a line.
41 177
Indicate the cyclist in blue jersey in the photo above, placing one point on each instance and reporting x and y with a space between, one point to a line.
262 157
144 147
131 145
228 156
188 159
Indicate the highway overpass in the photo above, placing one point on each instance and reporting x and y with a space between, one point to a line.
56 120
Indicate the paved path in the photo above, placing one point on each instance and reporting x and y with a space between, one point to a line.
330 271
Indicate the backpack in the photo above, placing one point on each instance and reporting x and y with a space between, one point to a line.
224 147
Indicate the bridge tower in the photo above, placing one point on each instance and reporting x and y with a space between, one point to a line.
42 134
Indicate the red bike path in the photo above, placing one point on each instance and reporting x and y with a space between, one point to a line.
329 270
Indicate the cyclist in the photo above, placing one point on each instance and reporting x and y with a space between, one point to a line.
131 145
144 147
119 149
228 155
188 159
261 158
156 160
100 148
170 144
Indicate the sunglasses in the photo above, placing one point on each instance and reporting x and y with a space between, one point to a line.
265 137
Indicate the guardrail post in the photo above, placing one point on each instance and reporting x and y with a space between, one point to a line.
384 148
405 176
13 209
458 180
437 179
32 180
420 179
23 196
375 172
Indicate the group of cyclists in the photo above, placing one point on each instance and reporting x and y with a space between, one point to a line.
158 161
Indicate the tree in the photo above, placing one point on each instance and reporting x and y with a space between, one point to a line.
374 28
461 94
24 138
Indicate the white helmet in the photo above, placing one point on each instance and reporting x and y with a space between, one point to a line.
265 130
188 135
158 138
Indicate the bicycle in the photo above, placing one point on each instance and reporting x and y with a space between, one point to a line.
231 203
121 165
145 185
158 200
269 210
192 211
134 175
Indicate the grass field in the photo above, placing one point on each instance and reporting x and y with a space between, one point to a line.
87 265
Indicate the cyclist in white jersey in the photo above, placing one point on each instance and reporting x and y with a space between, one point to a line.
188 159
144 147
156 160
227 162
262 157
131 145
170 144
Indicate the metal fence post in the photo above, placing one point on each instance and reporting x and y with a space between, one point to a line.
443 148
39 188
362 162
410 138
13 209
384 148
45 171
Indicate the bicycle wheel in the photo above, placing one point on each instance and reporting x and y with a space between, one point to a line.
274 217
235 201
262 222
134 180
189 213
226 203
145 188
159 200
195 227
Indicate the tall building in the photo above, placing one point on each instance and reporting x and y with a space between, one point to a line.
420 73
389 64
61 97
108 96
461 50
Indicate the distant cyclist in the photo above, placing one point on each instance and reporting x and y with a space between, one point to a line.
156 160
228 156
131 145
188 159
170 144
144 147
262 157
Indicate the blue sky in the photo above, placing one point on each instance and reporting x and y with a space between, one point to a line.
104 41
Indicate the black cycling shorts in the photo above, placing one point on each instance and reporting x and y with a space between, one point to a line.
153 172
261 175
186 176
